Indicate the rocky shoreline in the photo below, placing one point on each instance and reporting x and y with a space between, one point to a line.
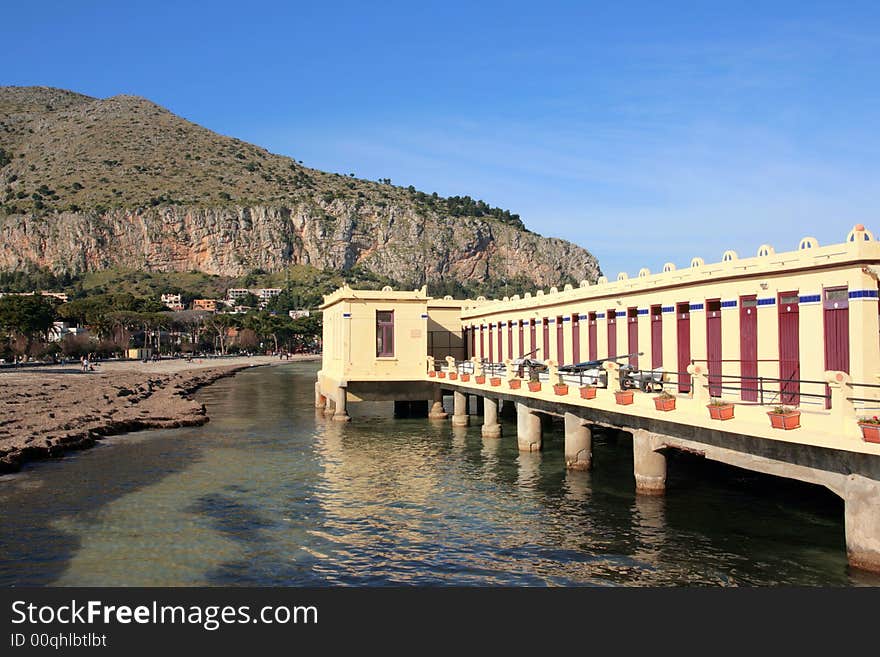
45 414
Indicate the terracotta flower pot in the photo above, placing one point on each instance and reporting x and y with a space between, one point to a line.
720 411
441 375
453 376
495 381
588 392
664 403
785 421
432 373
560 389
465 378
870 432
624 397
535 386
480 378
515 384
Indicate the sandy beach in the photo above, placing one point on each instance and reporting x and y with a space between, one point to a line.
47 410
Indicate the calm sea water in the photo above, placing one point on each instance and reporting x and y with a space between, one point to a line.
269 493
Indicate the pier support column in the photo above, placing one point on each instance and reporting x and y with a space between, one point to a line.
491 427
320 399
528 429
341 414
649 466
460 416
578 443
329 406
436 405
862 521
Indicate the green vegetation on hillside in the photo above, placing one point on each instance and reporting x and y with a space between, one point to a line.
61 151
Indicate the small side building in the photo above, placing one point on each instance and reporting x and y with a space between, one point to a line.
375 343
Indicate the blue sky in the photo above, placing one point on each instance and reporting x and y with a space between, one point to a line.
644 131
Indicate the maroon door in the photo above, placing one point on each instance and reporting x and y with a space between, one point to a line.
522 346
510 340
683 315
491 346
836 316
592 337
748 347
545 337
656 337
473 341
482 342
533 338
500 345
465 342
632 330
789 349
560 342
575 338
611 316
713 345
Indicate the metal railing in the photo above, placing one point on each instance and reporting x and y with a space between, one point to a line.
769 391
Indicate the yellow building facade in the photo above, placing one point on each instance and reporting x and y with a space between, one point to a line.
790 316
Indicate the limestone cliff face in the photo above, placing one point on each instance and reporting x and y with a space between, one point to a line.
396 241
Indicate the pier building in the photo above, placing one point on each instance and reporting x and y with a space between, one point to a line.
769 362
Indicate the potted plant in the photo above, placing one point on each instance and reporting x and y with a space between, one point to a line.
560 389
480 378
441 374
515 384
534 380
465 377
623 397
495 381
870 429
453 375
720 410
432 373
783 417
588 392
664 401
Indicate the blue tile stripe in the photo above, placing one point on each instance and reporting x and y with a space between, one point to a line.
566 319
600 315
863 294
668 309
696 306
811 298
767 302
346 315
583 316
643 311
424 316
551 320
728 304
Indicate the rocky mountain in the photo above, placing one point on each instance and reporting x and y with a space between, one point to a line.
89 184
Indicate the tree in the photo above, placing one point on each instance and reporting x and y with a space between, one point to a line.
218 324
28 317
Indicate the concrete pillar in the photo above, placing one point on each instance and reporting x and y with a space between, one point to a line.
491 427
862 520
320 399
649 466
329 406
578 443
436 405
459 410
528 429
341 414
